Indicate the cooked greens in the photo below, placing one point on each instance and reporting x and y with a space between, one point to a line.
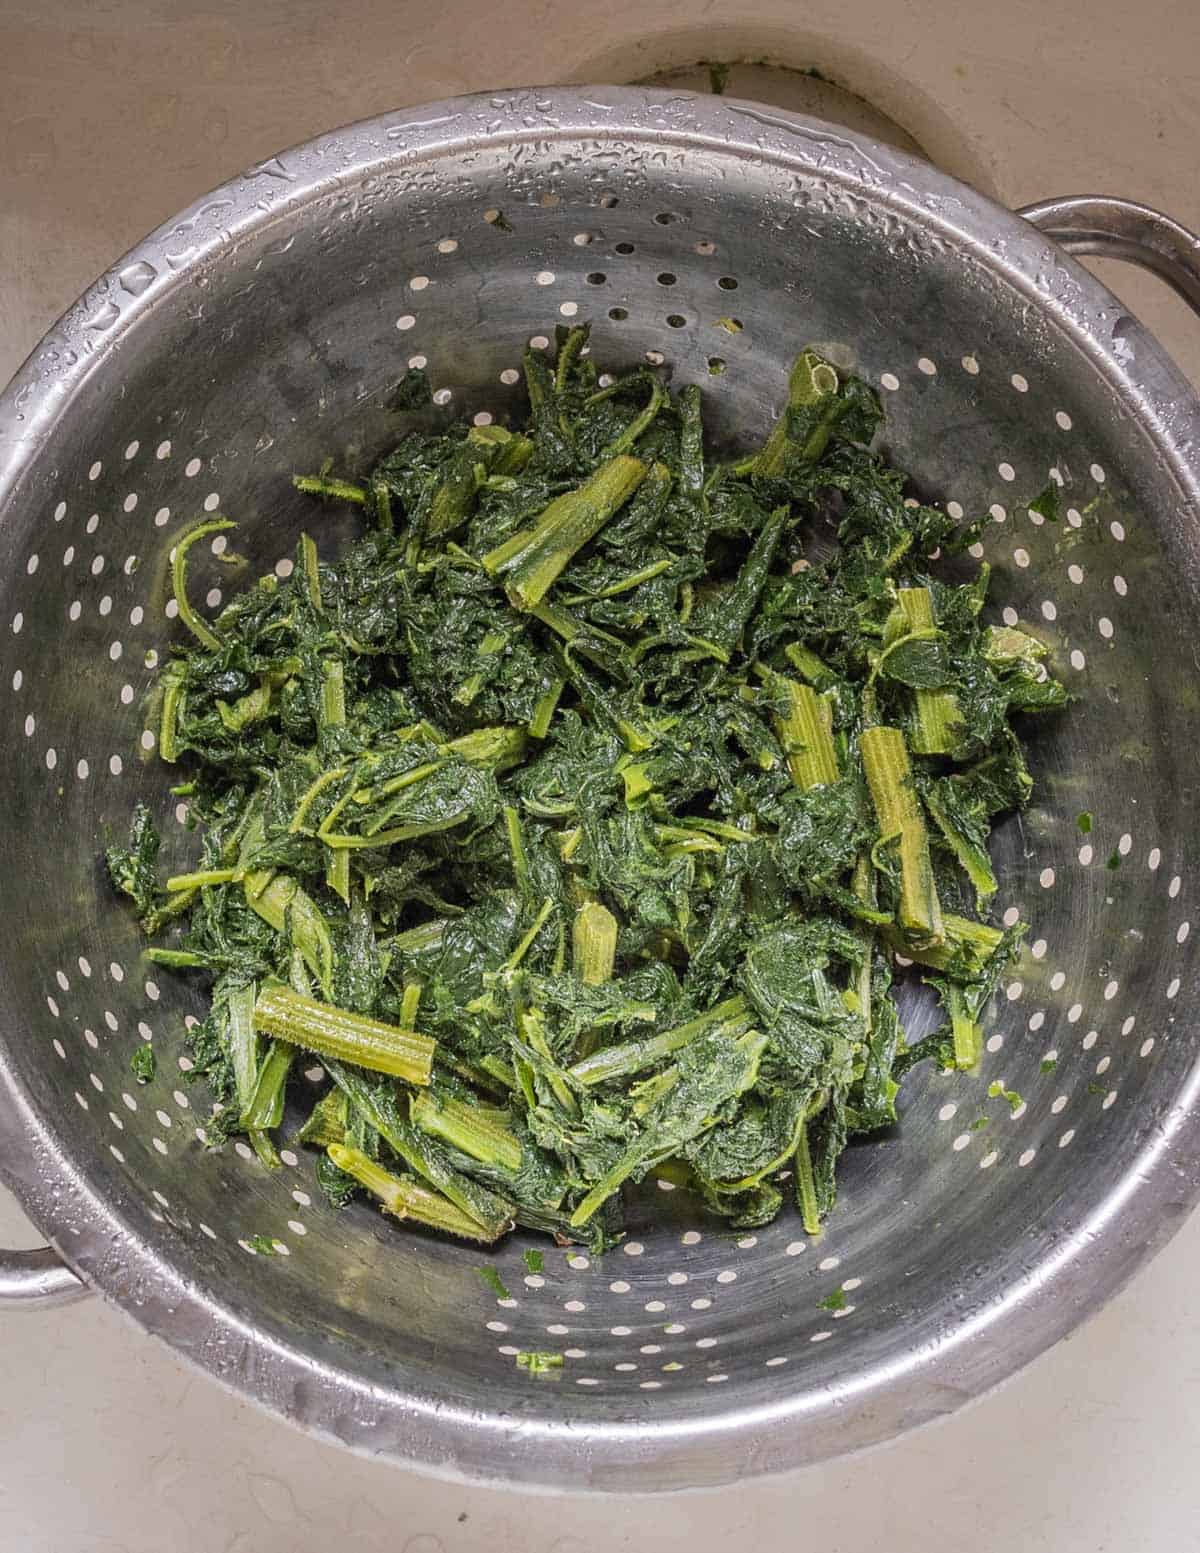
579 816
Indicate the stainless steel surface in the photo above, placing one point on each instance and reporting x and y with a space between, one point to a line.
260 331
1120 229
37 1279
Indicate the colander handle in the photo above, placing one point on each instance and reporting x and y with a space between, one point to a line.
1120 229
37 1278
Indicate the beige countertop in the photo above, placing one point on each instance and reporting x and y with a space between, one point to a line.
114 115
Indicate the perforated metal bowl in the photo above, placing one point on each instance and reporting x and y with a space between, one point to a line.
259 333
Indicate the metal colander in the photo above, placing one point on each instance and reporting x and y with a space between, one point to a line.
260 333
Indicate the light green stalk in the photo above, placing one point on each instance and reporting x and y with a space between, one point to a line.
534 557
594 943
404 1198
806 733
730 1017
889 776
467 1128
327 485
336 1032
200 629
938 722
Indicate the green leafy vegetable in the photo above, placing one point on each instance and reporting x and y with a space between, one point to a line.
494 1282
580 817
540 1363
142 1064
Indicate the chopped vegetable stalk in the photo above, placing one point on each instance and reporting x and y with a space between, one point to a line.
799 433
974 860
533 558
333 715
594 940
326 1122
375 1102
730 1018
938 725
968 1037
335 1032
406 1199
806 1191
202 877
243 1042
543 712
809 666
486 448
890 779
806 734
328 486
203 633
281 903
468 1128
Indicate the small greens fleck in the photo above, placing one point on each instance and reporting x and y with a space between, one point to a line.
1084 822
534 1260
142 1064
834 1301
1048 503
540 1363
997 1091
263 1244
494 1282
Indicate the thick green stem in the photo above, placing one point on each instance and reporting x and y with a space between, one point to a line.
938 722
168 719
806 733
730 1017
594 943
975 862
326 1122
806 1187
968 1035
405 1199
333 715
534 557
966 947
410 1002
809 666
335 1032
467 1128
376 1102
242 1043
516 847
265 1110
333 693
889 776
281 903
802 431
